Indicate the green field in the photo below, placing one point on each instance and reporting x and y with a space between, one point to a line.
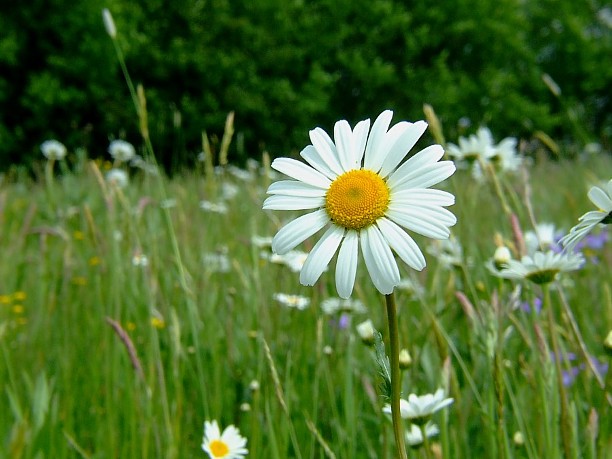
90 270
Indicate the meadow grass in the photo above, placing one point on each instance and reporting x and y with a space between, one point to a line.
105 355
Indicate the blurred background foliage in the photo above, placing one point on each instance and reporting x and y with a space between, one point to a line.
520 67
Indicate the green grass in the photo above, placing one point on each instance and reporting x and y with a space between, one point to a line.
69 389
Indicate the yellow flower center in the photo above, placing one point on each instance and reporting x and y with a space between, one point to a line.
356 199
218 448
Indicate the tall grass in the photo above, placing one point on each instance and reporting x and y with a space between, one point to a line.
106 356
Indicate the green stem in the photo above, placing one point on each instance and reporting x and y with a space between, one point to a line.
396 385
566 428
426 445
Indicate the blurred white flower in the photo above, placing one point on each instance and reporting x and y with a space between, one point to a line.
472 149
414 436
217 262
229 190
292 301
217 208
227 445
449 252
121 150
419 408
52 149
261 241
541 267
117 177
294 259
543 238
335 305
140 259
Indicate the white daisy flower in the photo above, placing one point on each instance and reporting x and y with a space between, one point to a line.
52 149
419 408
471 149
214 207
121 150
227 445
602 198
542 238
541 267
332 306
117 177
217 262
362 194
294 259
414 436
292 301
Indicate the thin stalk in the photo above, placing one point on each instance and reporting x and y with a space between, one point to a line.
566 428
396 385
426 445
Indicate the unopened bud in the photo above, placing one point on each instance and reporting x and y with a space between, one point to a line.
109 24
608 343
502 256
365 330
518 438
404 359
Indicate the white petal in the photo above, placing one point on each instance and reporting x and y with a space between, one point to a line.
295 188
300 171
282 202
320 255
419 223
426 196
402 243
298 230
327 166
426 157
326 149
427 212
379 260
343 135
402 146
373 155
600 199
346 265
360 137
423 177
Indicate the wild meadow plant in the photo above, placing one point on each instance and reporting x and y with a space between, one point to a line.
135 321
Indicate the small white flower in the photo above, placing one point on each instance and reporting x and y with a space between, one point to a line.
500 259
602 198
541 267
294 259
140 259
227 445
477 147
261 241
240 174
449 252
117 177
419 408
335 305
543 238
214 207
292 301
217 262
414 436
52 149
411 286
229 190
121 150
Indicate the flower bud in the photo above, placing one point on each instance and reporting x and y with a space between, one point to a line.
404 359
109 24
365 330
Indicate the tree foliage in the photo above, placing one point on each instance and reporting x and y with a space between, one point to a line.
286 66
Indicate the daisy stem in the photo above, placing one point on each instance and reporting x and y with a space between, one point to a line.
426 446
396 385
